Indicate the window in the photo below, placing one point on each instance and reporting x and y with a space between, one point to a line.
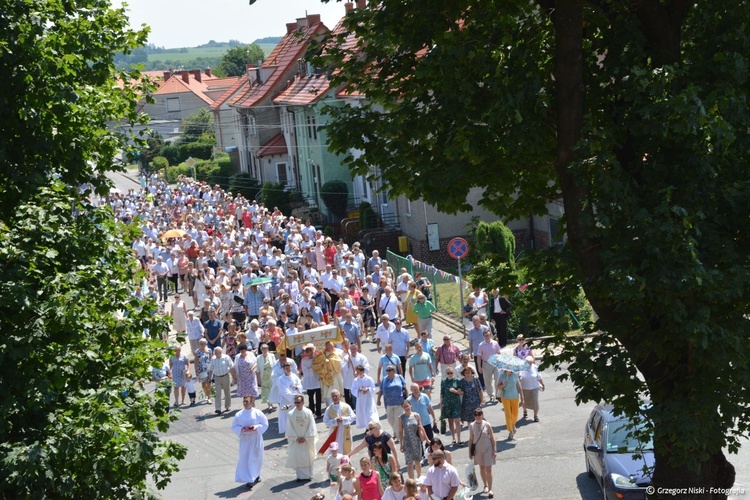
173 104
555 235
408 208
281 175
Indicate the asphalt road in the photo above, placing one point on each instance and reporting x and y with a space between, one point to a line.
544 462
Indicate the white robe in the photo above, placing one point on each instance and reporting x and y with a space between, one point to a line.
251 444
287 388
277 371
341 431
301 456
366 409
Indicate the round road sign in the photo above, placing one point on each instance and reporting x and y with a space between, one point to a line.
458 248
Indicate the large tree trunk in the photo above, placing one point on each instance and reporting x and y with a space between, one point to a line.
660 24
716 475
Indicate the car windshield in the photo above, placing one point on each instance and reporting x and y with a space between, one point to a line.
619 441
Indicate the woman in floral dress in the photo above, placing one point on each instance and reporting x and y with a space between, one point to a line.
246 370
265 368
411 436
473 397
450 403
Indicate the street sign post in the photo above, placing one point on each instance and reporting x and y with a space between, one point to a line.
458 248
190 162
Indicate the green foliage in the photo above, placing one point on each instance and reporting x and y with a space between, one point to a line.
635 116
76 417
235 60
223 172
159 163
173 173
77 421
335 195
368 219
275 195
171 153
58 91
196 150
493 241
328 232
154 144
245 184
198 127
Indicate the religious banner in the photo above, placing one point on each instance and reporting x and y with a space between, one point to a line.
317 336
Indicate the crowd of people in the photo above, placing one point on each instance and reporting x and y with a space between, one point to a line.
245 279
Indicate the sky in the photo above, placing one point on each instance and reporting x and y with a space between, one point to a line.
188 23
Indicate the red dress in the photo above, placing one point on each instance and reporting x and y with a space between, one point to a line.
369 486
329 253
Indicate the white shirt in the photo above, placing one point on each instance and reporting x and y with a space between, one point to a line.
442 479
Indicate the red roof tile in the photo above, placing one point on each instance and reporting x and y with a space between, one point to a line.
275 146
283 57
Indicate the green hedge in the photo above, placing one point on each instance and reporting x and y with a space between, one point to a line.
196 150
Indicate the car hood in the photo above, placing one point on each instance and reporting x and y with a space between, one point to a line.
625 465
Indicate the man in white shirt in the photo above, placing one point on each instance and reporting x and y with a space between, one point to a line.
442 478
383 332
351 360
221 366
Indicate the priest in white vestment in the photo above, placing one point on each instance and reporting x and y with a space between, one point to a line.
249 425
277 371
339 418
301 435
363 389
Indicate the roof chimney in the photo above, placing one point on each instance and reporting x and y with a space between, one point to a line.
208 71
313 19
196 74
185 76
302 22
361 4
167 75
291 28
348 6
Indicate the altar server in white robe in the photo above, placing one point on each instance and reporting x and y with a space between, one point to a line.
249 424
289 385
363 389
276 372
301 435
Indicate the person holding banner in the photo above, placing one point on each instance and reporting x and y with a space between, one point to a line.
339 417
301 435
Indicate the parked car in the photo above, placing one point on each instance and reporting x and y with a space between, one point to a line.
609 455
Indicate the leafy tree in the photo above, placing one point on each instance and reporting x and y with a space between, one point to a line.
635 115
171 153
234 62
245 184
198 127
154 143
77 421
493 241
335 195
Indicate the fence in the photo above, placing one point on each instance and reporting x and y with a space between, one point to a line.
446 297
445 294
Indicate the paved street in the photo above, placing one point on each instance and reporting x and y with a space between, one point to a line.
545 461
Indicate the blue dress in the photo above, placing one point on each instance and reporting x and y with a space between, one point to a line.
471 399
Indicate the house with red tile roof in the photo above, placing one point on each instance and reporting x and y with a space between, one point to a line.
247 118
305 97
182 94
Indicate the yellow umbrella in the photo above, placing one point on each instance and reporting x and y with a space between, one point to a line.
173 233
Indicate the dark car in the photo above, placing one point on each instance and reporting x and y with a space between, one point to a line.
609 455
